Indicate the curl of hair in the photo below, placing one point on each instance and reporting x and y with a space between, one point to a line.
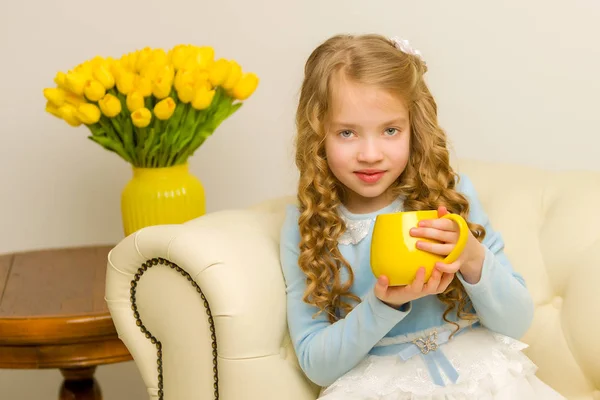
427 182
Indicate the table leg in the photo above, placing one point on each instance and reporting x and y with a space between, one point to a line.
79 384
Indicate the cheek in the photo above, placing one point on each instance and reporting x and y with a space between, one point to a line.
400 152
336 156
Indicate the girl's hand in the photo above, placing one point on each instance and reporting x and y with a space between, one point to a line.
396 296
446 231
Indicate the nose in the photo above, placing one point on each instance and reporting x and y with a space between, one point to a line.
370 151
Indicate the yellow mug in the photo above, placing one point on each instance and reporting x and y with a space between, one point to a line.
394 252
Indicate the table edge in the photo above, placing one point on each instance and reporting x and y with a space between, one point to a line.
56 329
52 355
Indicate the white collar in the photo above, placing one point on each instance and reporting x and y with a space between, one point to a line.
357 228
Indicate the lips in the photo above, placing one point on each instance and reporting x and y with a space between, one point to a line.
369 175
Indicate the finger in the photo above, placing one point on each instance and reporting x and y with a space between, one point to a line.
381 287
441 249
443 224
448 268
434 281
442 211
445 282
417 284
395 291
435 234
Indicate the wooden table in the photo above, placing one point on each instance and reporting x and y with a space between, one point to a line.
53 315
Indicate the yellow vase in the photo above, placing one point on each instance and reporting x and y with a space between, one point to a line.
155 196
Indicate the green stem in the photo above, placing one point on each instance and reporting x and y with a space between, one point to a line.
108 128
147 146
111 145
173 129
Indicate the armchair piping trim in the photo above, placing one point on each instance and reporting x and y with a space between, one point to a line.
138 321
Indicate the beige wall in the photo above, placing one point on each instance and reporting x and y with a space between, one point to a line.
515 81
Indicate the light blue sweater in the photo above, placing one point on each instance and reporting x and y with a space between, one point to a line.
326 351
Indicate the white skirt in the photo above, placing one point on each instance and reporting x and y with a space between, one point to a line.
488 366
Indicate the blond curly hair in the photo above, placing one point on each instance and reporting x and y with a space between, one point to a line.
427 182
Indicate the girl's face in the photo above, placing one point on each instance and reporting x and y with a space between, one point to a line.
367 142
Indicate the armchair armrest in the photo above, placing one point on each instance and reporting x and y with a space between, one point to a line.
206 316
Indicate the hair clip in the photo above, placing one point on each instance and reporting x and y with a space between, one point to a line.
404 46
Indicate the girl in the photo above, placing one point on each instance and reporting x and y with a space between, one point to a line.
369 142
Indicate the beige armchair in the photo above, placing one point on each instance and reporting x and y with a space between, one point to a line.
201 306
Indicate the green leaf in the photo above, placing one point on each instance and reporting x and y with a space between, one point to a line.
150 102
141 135
155 153
147 145
109 129
96 130
161 134
128 138
174 131
194 144
111 145
185 133
205 125
123 99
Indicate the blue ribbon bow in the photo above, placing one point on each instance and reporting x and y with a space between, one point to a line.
431 353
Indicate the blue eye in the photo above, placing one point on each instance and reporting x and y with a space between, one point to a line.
391 131
346 134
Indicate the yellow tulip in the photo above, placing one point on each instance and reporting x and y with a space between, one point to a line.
141 118
143 85
88 113
190 63
161 87
110 105
52 109
199 57
97 60
135 101
150 70
234 76
206 56
142 58
116 69
202 98
166 71
164 108
61 80
178 55
202 85
56 96
218 72
101 72
75 82
186 93
183 78
245 86
136 55
73 99
200 75
69 113
110 63
94 90
124 61
128 61
158 57
84 69
86 66
125 82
